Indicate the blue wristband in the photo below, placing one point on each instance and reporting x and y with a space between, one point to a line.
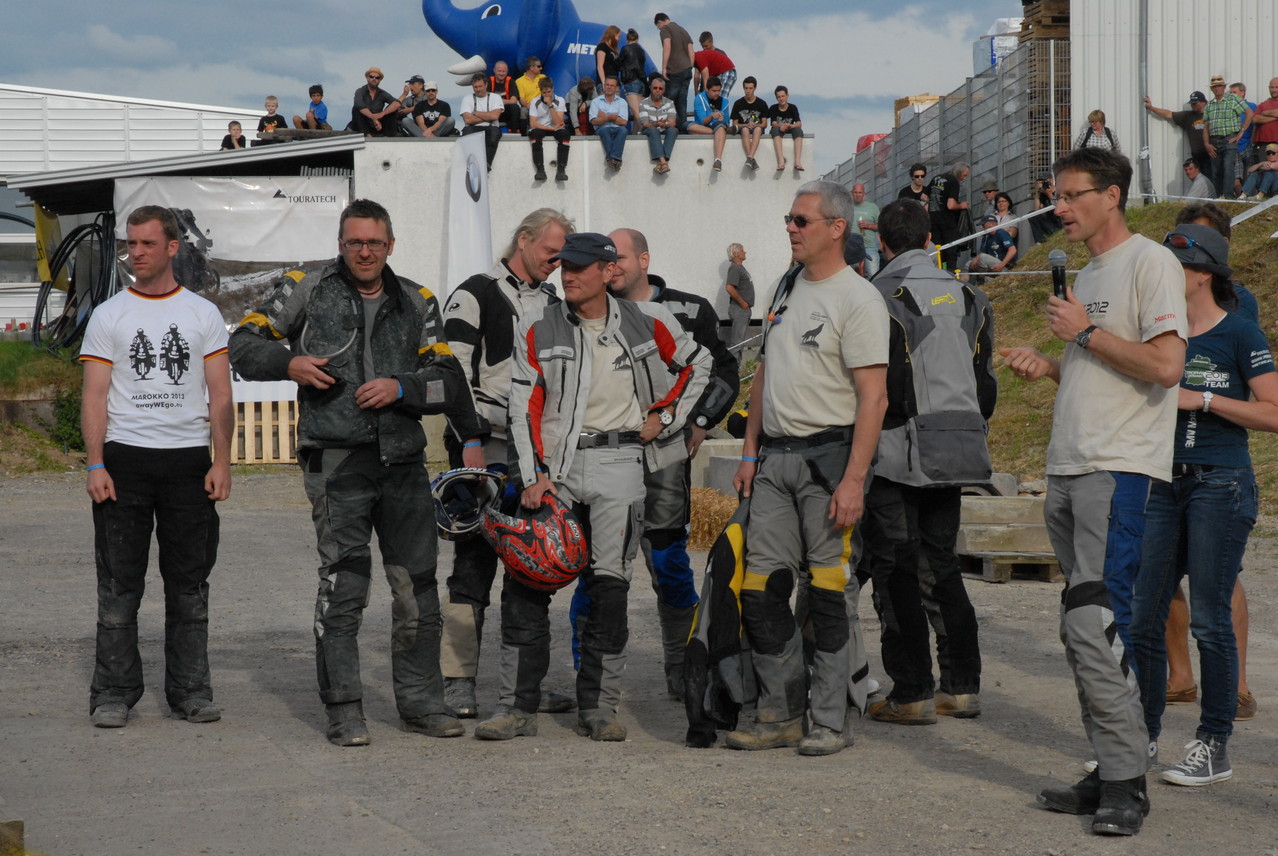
401 390
750 459
93 467
470 444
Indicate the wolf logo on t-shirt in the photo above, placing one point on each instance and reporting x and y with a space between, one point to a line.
809 339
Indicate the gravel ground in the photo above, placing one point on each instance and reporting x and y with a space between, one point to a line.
264 780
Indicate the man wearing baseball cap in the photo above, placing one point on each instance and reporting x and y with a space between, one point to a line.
414 92
1228 117
1191 121
600 388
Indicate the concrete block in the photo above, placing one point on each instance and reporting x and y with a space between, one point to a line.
710 449
720 473
998 538
1002 509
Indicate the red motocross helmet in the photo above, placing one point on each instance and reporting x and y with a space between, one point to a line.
544 549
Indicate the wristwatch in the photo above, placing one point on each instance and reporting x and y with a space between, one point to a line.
665 416
701 421
1207 397
1084 337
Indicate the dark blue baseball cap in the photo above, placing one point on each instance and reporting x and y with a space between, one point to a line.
582 248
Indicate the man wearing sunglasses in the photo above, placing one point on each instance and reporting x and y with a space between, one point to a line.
1124 326
915 189
367 351
816 409
372 107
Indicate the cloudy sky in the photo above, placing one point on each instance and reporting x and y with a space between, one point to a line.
844 61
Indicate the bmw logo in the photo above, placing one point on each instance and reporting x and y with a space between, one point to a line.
474 178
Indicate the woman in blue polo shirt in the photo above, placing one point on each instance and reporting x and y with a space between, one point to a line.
1197 524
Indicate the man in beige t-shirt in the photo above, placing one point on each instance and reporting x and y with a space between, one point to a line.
1125 331
815 412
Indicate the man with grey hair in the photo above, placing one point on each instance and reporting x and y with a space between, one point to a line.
740 288
805 466
479 324
946 210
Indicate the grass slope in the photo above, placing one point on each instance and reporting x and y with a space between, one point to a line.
1020 428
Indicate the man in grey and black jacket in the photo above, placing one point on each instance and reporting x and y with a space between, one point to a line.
367 351
601 388
941 392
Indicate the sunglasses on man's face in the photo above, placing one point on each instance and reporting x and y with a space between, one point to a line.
802 222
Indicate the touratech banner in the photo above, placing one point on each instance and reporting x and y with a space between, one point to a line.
240 235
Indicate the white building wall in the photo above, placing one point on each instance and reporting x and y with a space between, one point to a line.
1189 41
50 129
688 216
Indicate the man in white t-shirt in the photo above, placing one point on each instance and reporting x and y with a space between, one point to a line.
157 388
546 119
1125 331
481 113
816 409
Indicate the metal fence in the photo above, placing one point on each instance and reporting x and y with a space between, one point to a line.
1009 124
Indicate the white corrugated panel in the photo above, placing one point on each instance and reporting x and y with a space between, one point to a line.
48 129
1188 42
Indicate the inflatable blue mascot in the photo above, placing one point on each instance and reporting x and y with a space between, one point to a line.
513 30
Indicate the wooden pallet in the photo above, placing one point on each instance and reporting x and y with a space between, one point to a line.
1002 567
265 432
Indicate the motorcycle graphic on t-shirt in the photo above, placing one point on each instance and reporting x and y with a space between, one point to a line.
175 355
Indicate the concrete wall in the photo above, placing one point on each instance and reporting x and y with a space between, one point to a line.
689 215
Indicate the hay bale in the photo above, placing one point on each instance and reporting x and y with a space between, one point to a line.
711 511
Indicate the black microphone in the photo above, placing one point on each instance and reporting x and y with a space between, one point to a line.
1057 259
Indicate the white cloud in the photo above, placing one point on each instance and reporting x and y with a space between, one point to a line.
109 44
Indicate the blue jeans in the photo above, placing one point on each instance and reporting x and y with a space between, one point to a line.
1222 166
677 92
661 142
613 138
1264 182
1196 526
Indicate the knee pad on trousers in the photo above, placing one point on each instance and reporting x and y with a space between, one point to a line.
672 568
1094 593
827 611
766 614
525 615
606 629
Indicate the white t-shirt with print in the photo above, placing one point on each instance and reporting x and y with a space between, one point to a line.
1105 420
156 348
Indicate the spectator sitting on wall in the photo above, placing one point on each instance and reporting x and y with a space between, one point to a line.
1096 135
749 118
272 121
432 117
504 87
988 191
578 103
711 112
546 119
1200 186
414 92
786 122
372 105
481 111
234 138
915 189
316 118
